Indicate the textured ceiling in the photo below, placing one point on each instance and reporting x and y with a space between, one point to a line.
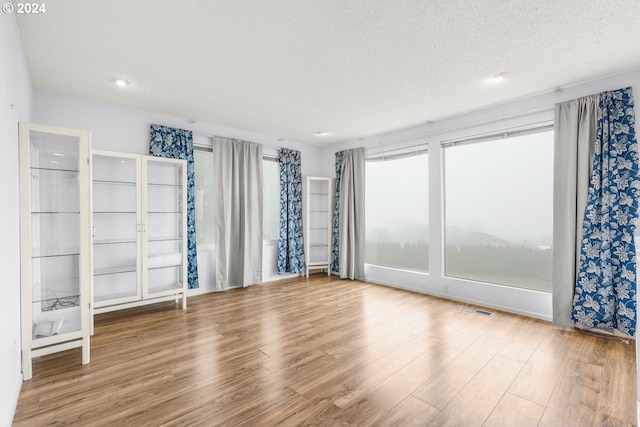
353 68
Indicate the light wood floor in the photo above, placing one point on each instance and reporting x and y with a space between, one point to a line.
327 352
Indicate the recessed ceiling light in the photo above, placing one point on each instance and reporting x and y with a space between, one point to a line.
58 154
498 78
121 83
321 133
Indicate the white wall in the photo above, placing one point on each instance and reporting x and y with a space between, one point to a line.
536 109
15 106
127 130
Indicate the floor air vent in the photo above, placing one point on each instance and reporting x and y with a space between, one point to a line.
475 310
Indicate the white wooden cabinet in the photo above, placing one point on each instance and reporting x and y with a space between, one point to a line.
139 230
319 223
55 232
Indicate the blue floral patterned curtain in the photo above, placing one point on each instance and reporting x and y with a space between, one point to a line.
290 240
605 293
335 259
178 144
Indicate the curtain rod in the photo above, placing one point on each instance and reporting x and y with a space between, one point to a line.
376 140
208 135
423 147
490 136
410 150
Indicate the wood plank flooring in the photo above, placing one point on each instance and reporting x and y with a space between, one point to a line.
328 352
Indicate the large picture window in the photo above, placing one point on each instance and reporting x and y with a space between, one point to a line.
498 210
397 212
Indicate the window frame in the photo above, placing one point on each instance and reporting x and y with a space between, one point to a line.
265 158
209 150
271 242
420 149
530 129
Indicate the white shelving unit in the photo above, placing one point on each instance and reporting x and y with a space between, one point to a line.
139 230
319 222
55 232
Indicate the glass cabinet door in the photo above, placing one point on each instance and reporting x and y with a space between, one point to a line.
56 250
116 224
55 235
164 227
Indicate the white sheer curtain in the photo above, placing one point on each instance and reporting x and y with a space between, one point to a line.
351 229
575 130
238 212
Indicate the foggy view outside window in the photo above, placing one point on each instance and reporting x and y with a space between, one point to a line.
271 200
498 211
397 213
203 162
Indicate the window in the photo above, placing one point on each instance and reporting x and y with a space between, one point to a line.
498 210
205 200
271 199
203 161
397 212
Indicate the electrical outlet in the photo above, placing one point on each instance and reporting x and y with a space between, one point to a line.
424 284
445 288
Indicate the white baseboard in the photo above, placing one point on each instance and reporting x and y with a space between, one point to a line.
281 277
204 290
464 300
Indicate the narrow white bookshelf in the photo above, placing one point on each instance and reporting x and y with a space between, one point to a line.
319 222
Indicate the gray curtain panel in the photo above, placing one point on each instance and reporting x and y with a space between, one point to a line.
238 212
575 129
351 218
